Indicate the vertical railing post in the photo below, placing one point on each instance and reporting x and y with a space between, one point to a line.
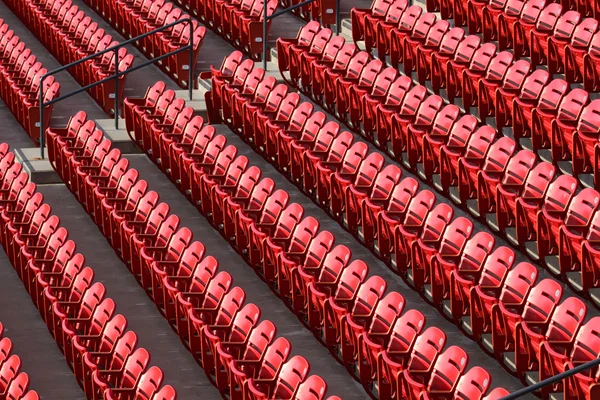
117 88
41 104
337 18
265 17
192 61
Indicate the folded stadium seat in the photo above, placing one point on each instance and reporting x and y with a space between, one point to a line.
423 26
506 21
580 221
463 282
235 331
257 215
380 233
565 28
503 98
511 289
242 353
524 104
527 192
420 246
378 25
489 180
358 298
284 384
371 86
364 101
14 383
533 211
544 28
537 310
343 157
495 77
435 69
394 358
423 357
320 54
421 60
555 359
455 67
440 380
566 320
487 19
313 388
381 30
431 119
551 98
244 374
288 48
298 137
302 56
400 119
590 71
473 384
362 334
345 179
394 40
438 150
522 27
565 123
339 83
336 279
361 17
9 370
485 60
402 222
387 108
583 142
460 268
307 156
357 194
321 72
481 155
576 51
148 384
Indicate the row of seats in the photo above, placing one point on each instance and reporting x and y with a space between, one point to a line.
365 94
103 355
568 44
481 165
70 35
14 383
323 11
361 325
459 270
134 18
466 12
239 353
240 22
20 74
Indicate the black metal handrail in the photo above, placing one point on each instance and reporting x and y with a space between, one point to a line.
267 18
117 74
552 380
